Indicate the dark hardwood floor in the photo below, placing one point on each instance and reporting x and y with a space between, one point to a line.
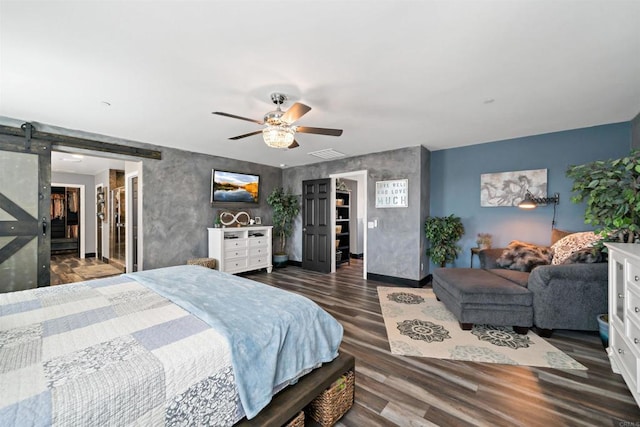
413 391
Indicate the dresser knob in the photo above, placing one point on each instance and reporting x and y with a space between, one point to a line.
636 309
636 340
620 351
620 296
636 278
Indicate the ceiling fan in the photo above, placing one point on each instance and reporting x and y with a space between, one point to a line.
280 131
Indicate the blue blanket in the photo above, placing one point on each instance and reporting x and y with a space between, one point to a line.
274 335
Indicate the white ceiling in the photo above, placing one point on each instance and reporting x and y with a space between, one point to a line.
390 73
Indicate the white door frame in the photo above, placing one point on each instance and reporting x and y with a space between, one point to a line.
128 235
82 212
362 177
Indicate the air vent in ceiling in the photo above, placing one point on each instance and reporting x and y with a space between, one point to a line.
329 153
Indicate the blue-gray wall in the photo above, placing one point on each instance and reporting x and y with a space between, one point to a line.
455 182
635 133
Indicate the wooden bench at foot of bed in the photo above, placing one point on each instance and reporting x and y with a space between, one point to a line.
293 399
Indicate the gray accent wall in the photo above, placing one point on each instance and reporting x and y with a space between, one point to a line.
176 204
175 192
635 133
395 246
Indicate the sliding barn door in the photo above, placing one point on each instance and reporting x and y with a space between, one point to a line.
25 174
316 225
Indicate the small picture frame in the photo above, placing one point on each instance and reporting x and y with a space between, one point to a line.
258 220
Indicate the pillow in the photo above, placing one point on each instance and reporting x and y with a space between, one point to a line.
524 256
586 256
564 247
558 234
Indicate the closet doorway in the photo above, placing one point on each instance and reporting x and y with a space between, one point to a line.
356 182
117 220
104 206
68 219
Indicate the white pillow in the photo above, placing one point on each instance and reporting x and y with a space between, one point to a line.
564 247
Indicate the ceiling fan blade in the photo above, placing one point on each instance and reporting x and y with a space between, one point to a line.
294 144
233 116
246 135
319 131
296 111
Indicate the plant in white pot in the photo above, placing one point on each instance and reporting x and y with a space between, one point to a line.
285 210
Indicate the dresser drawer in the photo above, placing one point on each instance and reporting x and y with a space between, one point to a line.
234 265
627 359
633 335
235 243
258 241
259 261
262 251
235 253
633 274
633 305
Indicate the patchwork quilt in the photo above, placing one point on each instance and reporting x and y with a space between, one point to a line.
115 352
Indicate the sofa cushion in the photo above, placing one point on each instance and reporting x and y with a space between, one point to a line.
586 256
524 256
476 286
564 247
558 234
518 277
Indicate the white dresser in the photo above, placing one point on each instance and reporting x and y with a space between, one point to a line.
238 249
624 313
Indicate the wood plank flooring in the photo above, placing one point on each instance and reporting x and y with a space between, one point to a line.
413 391
67 268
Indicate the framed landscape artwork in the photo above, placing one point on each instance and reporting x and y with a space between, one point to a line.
509 188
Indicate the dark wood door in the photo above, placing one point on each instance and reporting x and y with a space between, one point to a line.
316 225
25 243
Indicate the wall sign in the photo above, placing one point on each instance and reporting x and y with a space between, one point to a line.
392 194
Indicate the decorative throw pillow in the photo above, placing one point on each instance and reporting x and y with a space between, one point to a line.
586 256
564 247
524 256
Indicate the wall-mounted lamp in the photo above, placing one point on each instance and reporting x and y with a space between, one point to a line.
531 202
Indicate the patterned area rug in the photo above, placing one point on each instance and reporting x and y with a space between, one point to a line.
420 325
94 271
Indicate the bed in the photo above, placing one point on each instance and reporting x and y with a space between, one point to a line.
182 345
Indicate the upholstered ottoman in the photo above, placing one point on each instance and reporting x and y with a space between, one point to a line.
479 296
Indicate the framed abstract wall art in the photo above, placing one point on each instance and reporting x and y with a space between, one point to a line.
509 188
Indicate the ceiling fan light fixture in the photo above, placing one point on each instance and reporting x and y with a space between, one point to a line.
278 136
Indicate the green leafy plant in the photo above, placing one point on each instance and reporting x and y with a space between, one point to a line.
443 234
611 189
285 209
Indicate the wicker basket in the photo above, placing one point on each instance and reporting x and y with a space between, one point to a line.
297 421
204 262
334 402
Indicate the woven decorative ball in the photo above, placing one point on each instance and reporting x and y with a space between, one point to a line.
205 262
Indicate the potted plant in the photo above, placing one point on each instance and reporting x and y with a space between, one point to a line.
285 209
611 189
443 234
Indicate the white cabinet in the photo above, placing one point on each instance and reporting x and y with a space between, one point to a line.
624 313
238 249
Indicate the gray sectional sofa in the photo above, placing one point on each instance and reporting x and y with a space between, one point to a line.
566 296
